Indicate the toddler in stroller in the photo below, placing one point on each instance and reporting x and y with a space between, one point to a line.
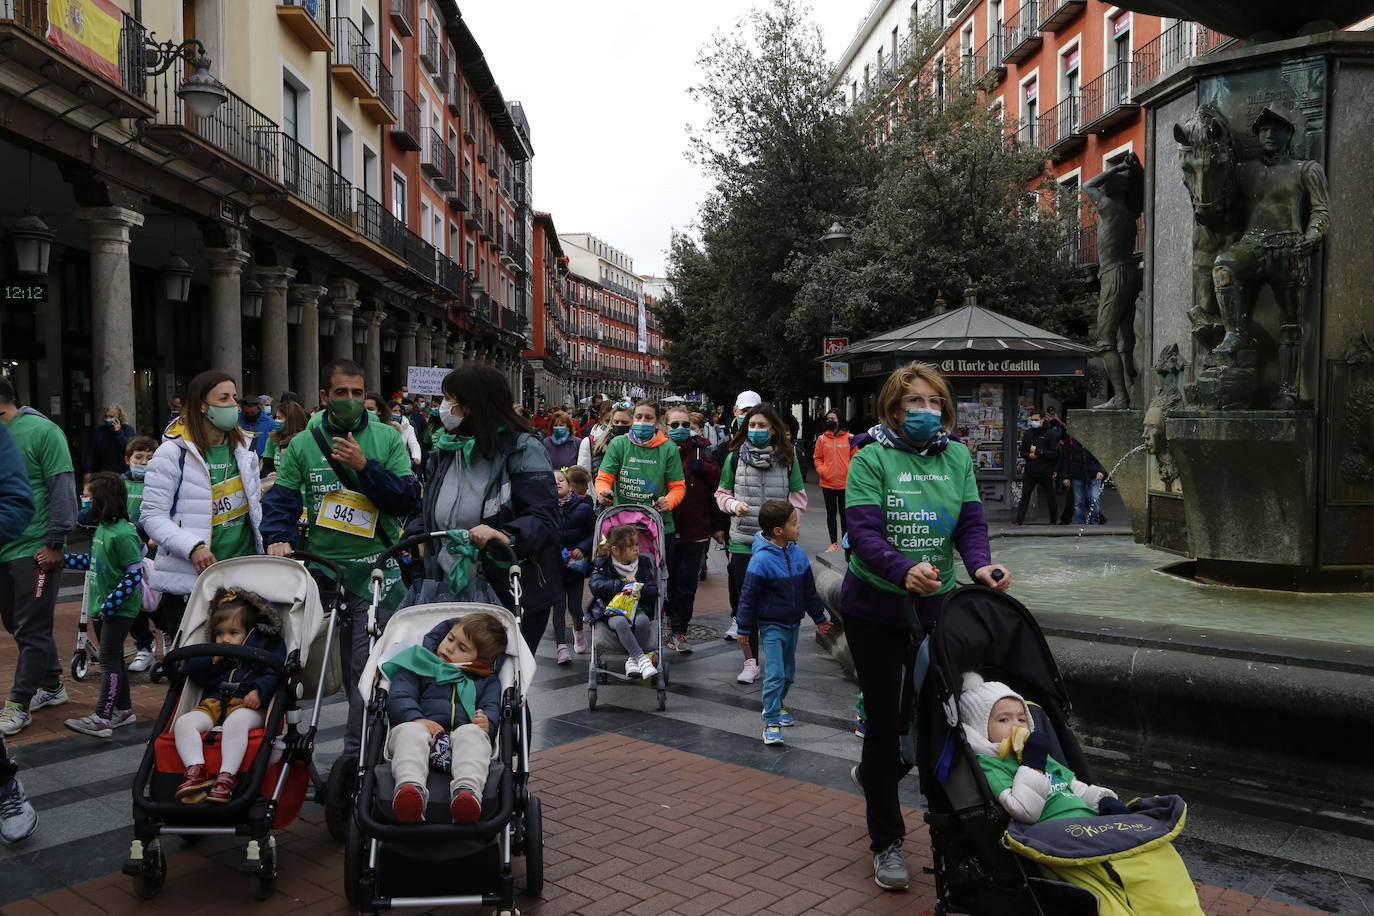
624 591
444 702
235 694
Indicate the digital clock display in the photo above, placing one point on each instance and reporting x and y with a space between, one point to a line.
31 292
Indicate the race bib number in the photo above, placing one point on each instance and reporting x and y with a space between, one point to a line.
348 512
228 502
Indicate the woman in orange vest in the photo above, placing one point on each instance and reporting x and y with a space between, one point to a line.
832 466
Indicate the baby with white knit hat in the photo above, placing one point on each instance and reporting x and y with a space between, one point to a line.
999 729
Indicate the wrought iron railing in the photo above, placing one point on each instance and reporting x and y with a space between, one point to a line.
31 15
429 46
379 224
407 114
452 277
1024 25
316 9
235 127
1062 122
350 47
382 84
1108 93
421 256
133 72
431 152
988 57
312 180
1181 42
510 320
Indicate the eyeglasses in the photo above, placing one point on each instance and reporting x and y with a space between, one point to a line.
915 400
680 424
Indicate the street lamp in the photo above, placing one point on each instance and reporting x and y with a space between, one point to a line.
836 237
293 308
176 278
250 297
360 333
200 91
327 323
389 341
32 240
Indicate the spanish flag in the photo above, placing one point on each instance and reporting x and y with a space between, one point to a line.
88 31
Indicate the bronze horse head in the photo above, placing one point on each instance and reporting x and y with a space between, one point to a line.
1211 155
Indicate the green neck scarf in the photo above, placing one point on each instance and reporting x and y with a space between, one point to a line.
452 442
464 553
421 661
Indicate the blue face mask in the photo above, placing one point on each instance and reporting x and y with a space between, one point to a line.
278 426
642 431
136 471
679 434
759 437
85 504
921 424
560 434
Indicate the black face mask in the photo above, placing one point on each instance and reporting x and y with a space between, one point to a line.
832 425
616 431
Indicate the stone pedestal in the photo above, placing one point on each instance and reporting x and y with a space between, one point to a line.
1112 435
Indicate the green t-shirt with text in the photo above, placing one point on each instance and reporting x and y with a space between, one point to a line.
349 533
135 501
46 455
231 534
921 497
643 472
1061 802
115 547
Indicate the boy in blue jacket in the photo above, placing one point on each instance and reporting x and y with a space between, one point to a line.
445 702
778 590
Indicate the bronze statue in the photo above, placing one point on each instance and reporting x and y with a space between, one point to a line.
1119 196
1210 154
1169 367
1286 217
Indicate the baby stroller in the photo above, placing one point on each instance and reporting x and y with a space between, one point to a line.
971 835
652 545
438 863
278 769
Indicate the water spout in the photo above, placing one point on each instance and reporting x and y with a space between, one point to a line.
1097 500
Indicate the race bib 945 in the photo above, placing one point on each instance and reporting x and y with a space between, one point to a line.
349 512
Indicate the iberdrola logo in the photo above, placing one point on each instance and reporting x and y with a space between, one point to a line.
904 477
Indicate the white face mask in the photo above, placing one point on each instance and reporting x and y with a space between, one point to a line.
446 416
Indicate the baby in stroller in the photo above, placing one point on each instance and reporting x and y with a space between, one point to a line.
999 728
236 693
444 702
624 592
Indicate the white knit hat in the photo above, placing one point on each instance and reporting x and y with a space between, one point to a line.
979 696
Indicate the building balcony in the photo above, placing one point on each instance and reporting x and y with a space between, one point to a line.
452 278
306 20
492 170
378 106
406 130
510 320
430 44
403 16
355 64
120 86
236 129
1107 100
422 257
311 179
486 232
431 153
1059 13
1023 31
987 60
1061 128
473 220
1083 245
1177 44
458 191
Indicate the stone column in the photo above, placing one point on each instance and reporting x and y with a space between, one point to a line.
405 348
372 350
276 376
112 331
305 366
424 347
226 310
345 303
453 353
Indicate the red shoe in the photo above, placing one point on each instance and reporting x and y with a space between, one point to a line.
192 789
223 790
465 808
408 804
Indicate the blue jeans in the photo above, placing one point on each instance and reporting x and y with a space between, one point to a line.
1087 495
779 646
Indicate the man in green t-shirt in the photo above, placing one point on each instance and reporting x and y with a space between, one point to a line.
351 476
30 565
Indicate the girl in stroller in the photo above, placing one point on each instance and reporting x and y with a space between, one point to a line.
624 592
236 693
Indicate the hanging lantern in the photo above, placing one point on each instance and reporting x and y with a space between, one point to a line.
32 241
389 341
176 278
293 308
360 333
328 323
250 297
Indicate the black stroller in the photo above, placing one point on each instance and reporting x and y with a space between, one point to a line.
990 632
438 863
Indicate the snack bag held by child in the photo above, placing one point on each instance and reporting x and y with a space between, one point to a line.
626 604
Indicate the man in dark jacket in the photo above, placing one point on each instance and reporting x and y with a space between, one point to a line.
1040 449
1080 470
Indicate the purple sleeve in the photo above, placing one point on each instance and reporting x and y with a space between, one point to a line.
867 541
971 538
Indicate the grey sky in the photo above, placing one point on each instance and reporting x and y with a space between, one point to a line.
604 84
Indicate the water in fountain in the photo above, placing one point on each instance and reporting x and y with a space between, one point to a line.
1096 504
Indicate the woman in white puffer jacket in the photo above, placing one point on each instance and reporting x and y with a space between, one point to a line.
202 499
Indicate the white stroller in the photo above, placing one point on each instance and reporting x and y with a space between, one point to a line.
652 545
278 769
389 864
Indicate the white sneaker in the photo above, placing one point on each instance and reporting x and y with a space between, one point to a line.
13 718
750 673
646 668
731 634
123 717
18 820
46 697
632 667
143 660
91 725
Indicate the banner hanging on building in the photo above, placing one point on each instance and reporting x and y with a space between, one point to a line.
642 341
833 345
88 31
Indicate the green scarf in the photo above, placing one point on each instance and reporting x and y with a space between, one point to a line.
421 661
464 553
452 442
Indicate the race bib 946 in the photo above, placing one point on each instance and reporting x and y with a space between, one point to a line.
348 512
227 501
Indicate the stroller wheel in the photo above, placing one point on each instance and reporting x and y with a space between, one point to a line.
662 699
265 876
153 872
80 665
338 795
591 699
534 847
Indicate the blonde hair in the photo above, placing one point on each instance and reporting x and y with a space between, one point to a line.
894 389
119 413
578 478
618 537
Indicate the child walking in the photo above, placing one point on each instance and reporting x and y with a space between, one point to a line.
137 454
116 599
624 591
445 702
577 524
235 693
778 590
